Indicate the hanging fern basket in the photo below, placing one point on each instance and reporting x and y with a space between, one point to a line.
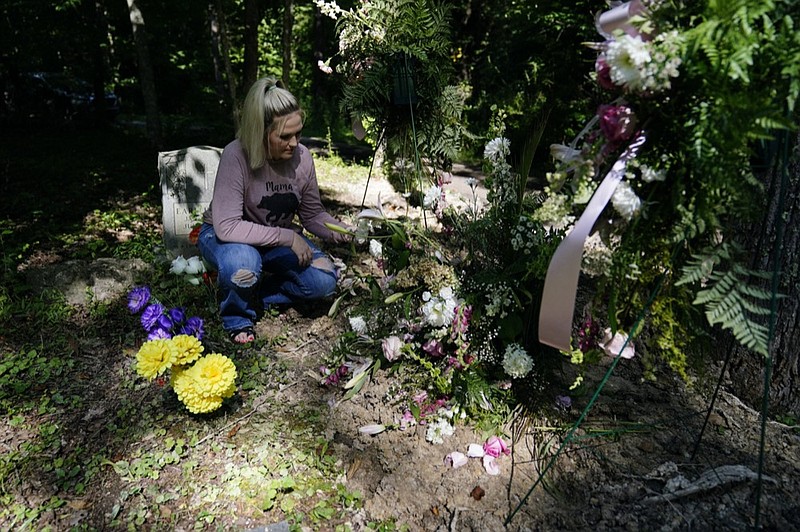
403 90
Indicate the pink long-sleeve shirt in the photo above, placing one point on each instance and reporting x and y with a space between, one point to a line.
258 207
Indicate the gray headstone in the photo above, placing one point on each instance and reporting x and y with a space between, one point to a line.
187 184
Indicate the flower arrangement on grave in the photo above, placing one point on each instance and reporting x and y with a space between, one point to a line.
201 381
688 87
446 316
691 88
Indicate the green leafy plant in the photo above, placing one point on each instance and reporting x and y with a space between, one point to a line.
730 299
394 59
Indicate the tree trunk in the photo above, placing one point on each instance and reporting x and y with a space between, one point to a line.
216 55
747 368
226 60
286 39
319 97
99 59
252 19
146 77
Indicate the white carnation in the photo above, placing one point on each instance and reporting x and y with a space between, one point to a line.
516 361
358 325
627 57
625 201
497 149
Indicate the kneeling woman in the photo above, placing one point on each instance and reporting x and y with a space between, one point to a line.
265 178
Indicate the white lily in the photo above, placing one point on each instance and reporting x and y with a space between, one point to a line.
373 214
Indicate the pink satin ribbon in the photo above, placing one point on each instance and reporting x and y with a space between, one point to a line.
561 281
617 18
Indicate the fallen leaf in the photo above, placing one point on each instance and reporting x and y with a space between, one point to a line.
477 493
435 510
79 504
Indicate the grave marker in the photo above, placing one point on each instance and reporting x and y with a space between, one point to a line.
187 184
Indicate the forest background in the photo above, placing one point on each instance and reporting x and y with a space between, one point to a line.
185 65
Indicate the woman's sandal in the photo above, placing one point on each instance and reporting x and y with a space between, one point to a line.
251 334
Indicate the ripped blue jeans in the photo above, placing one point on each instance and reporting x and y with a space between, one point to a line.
270 274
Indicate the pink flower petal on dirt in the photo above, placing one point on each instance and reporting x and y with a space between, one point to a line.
475 450
490 465
455 459
372 429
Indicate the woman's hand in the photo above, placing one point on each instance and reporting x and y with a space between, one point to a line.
301 248
342 238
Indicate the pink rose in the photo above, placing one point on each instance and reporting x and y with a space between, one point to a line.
617 122
495 446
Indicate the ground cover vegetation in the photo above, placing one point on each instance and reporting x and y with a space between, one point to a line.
441 296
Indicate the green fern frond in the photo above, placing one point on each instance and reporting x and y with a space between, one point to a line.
729 296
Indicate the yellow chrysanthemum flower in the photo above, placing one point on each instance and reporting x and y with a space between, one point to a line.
154 358
175 374
185 385
214 375
188 347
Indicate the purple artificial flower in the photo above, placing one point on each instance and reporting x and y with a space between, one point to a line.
177 315
151 314
159 333
193 327
138 298
617 122
165 322
564 402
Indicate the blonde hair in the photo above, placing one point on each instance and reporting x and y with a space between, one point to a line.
266 103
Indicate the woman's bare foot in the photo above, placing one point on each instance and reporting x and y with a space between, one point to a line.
242 336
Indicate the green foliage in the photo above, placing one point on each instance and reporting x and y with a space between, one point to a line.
729 297
731 86
394 59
